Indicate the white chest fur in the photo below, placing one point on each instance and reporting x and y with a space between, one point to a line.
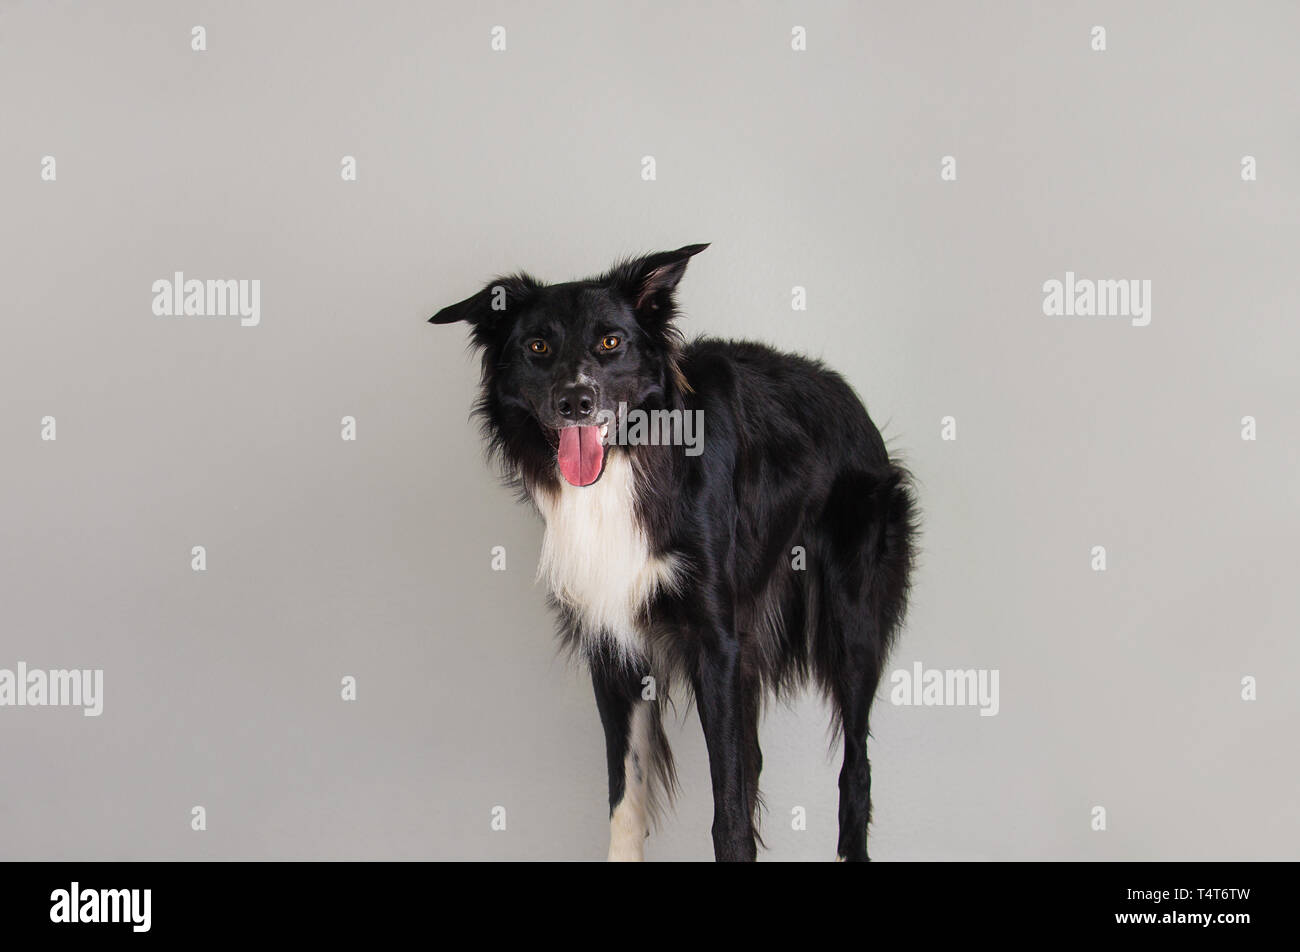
596 557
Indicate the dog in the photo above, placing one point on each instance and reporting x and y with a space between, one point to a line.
774 548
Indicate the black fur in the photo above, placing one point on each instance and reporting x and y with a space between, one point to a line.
790 459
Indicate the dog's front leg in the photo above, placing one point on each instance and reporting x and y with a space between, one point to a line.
718 687
626 718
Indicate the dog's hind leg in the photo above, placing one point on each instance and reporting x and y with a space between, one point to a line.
751 708
854 691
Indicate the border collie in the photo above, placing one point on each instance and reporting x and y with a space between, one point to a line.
773 547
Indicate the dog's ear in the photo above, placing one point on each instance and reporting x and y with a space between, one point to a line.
484 309
648 282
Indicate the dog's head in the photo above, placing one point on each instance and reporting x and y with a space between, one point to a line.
559 360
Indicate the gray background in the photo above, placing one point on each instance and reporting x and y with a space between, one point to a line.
821 169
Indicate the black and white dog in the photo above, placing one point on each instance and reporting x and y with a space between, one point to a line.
736 560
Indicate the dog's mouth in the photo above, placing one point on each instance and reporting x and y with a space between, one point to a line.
580 453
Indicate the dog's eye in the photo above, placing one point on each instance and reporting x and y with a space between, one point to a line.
609 342
538 346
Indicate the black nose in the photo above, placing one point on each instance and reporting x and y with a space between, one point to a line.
575 402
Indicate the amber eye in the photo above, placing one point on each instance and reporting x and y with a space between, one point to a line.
609 342
538 346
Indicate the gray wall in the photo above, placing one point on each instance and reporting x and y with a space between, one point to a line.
820 169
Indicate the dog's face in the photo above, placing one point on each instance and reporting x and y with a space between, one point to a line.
575 353
566 359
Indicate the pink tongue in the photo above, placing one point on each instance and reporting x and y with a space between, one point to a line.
581 454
